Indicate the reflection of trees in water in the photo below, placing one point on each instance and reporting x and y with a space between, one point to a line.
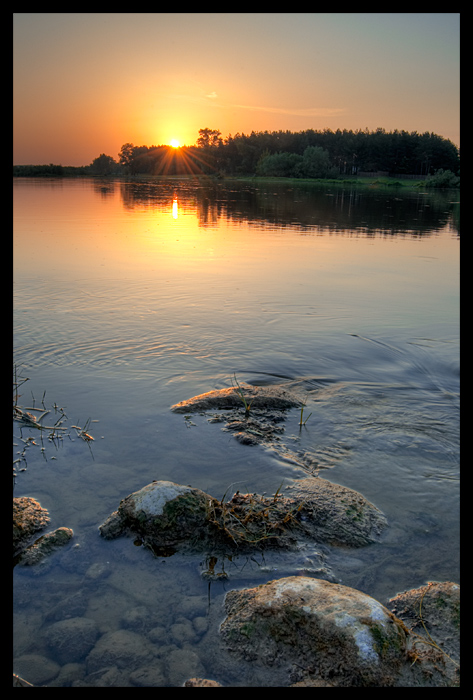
105 188
359 211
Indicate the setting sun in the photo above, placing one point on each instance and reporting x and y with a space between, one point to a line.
174 143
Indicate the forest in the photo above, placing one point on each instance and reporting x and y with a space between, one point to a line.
304 154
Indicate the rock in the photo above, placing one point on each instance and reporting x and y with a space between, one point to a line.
121 649
201 624
162 514
165 514
335 514
45 545
74 605
71 640
99 570
35 668
158 635
312 683
432 613
28 518
201 683
149 677
111 677
183 632
182 664
335 633
268 397
68 674
136 619
258 428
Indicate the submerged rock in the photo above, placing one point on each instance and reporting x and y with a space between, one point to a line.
268 397
36 668
45 545
71 640
315 629
121 649
28 519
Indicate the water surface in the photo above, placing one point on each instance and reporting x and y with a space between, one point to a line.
132 296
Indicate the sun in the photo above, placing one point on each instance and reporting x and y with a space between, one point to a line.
174 143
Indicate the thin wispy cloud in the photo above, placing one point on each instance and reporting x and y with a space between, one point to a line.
310 112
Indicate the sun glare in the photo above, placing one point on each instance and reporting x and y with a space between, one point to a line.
174 143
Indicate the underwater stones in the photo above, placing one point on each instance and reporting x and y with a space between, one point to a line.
162 514
337 634
28 518
122 649
149 677
268 397
71 640
182 664
37 669
335 514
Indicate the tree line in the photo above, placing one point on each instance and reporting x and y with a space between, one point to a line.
304 154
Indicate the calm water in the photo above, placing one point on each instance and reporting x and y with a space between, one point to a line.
132 296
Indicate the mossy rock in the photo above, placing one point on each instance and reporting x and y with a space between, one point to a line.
337 633
163 514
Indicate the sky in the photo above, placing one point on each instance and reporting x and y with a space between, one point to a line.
86 83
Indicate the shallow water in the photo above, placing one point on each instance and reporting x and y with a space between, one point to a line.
132 296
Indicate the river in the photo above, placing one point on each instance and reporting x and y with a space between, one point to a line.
130 296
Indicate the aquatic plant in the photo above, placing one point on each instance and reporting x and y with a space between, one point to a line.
240 393
33 417
304 404
252 519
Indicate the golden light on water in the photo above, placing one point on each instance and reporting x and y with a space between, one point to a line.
175 212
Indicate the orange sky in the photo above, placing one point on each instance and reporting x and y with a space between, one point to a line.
84 84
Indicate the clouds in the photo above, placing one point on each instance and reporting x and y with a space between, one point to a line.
290 111
310 112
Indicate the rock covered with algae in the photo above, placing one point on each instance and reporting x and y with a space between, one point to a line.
342 635
165 514
162 513
308 632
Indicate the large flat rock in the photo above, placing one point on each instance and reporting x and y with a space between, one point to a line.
268 397
331 632
314 633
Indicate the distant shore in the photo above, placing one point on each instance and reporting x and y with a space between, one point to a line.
81 172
